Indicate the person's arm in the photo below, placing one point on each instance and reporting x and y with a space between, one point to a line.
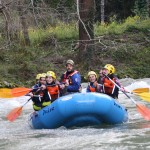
119 84
98 87
35 88
76 81
117 81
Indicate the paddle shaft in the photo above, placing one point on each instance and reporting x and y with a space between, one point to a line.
26 102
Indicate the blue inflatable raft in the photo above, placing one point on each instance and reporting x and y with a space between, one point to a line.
78 110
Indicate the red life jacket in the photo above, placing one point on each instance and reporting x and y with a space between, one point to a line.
65 77
53 91
92 89
108 86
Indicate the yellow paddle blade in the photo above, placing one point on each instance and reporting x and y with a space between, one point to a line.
14 114
141 90
5 93
145 96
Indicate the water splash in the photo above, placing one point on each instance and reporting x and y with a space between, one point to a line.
137 84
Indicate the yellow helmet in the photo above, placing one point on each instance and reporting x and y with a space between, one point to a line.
92 73
52 74
111 69
70 62
43 75
38 76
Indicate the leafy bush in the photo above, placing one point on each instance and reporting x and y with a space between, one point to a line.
126 46
60 32
130 24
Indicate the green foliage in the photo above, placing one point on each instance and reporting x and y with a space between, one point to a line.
127 48
130 24
65 31
60 32
136 60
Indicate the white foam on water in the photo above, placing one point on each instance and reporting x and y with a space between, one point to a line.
137 84
83 90
8 104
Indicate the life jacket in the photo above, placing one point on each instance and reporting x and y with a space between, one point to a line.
53 92
92 89
37 100
65 77
108 86
39 94
36 107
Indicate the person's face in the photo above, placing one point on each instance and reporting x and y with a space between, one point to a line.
92 78
42 80
69 67
105 71
49 79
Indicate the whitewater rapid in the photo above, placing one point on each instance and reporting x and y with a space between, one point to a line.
135 134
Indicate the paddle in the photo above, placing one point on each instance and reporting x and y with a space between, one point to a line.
143 110
144 96
140 90
143 93
15 92
16 112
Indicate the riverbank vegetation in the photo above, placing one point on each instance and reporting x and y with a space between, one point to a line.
125 44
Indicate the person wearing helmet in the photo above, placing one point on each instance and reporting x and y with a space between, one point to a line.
38 92
93 85
52 89
41 81
38 77
70 80
109 69
108 87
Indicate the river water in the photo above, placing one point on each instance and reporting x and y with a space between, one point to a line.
135 134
